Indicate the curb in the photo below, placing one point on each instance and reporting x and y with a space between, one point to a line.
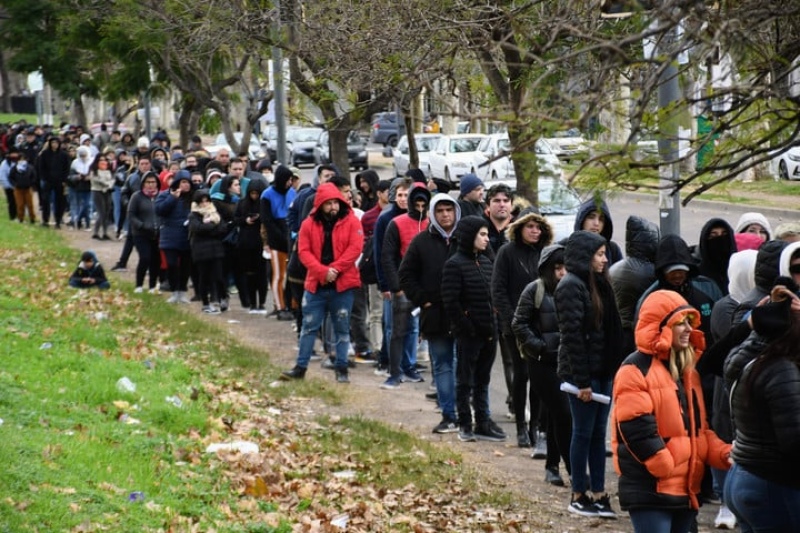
773 213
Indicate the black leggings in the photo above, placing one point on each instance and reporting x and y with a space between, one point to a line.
149 260
179 265
210 280
546 383
253 277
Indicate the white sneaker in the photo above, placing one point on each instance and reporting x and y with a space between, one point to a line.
138 290
154 290
173 298
725 518
183 298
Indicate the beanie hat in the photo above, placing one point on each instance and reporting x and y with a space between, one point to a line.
753 218
417 175
469 183
143 142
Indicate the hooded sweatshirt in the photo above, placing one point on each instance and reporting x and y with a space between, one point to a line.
399 234
344 243
613 253
370 198
786 258
768 260
753 218
275 202
714 253
661 440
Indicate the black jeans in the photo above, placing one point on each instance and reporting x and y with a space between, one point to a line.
358 321
179 265
210 281
475 357
149 259
12 204
546 383
507 357
52 193
520 393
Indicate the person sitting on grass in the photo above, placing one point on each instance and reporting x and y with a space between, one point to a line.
89 273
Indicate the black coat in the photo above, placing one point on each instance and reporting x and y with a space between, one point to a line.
142 216
206 238
766 411
634 274
421 279
536 330
53 166
586 350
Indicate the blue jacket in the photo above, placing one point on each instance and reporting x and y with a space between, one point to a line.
174 215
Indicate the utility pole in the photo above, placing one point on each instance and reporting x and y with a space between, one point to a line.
278 93
669 206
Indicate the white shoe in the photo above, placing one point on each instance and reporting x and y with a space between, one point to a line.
183 298
725 518
138 290
154 290
173 298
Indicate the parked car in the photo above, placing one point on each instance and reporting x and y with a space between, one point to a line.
300 145
425 142
569 145
452 157
356 150
121 127
387 128
257 150
787 165
491 163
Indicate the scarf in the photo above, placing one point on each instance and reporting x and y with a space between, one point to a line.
208 212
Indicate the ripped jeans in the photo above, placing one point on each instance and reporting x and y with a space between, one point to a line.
315 306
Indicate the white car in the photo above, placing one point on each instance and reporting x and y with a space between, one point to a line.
256 150
787 165
491 163
452 157
569 145
425 144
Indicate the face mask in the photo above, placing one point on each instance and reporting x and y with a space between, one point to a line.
22 165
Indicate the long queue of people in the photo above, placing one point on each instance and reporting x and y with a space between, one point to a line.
381 270
478 273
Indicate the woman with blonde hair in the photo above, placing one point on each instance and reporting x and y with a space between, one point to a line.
661 439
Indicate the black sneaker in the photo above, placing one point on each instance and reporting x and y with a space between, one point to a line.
603 506
341 376
552 477
432 396
465 434
412 376
489 431
523 438
446 426
119 268
583 506
297 372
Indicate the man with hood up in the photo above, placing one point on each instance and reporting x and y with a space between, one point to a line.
634 274
421 281
329 243
467 300
714 250
52 166
275 202
399 234
595 217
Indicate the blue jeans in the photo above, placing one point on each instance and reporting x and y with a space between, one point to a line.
412 336
588 445
761 506
315 306
443 356
400 358
116 198
662 520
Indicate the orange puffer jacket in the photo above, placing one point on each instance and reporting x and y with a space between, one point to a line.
661 439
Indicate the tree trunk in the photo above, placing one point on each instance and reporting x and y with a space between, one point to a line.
5 83
185 119
338 142
79 112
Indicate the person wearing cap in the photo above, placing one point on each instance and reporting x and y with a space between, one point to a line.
470 198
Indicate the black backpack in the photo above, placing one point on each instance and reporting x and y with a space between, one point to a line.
367 264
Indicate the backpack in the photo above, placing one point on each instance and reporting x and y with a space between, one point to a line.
366 266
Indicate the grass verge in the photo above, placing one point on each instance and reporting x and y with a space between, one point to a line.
80 454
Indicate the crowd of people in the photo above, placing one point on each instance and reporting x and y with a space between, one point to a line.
392 270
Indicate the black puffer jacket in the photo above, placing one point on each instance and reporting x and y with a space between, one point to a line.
466 278
766 412
421 277
586 350
206 238
634 274
516 265
250 236
767 269
536 329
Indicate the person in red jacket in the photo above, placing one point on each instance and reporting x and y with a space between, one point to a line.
328 245
661 439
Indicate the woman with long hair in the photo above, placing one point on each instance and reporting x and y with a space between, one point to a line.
102 181
763 377
660 437
590 351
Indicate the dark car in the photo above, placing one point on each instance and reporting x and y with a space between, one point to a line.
356 150
300 144
387 128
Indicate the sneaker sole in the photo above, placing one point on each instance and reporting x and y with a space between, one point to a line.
588 514
467 439
489 438
606 514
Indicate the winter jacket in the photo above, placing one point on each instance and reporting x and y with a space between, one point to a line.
206 238
661 441
381 226
78 177
768 260
102 180
516 265
634 274
250 236
275 202
400 232
766 411
587 351
96 271
347 239
536 327
142 215
173 213
613 253
23 179
421 271
466 282
52 166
